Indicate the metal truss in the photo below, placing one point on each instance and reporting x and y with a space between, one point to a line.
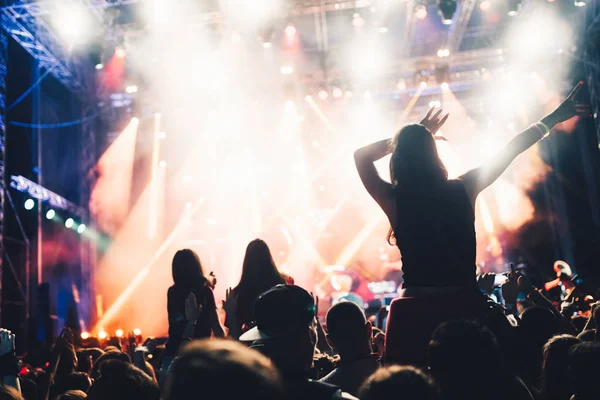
459 25
24 22
3 73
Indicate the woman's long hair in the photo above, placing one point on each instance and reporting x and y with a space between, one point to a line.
259 273
415 163
187 270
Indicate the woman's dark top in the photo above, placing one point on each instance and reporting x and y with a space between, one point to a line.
435 232
176 297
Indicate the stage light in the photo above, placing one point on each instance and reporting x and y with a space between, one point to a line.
337 92
308 98
445 86
72 22
267 45
135 120
290 31
99 66
81 228
579 3
131 89
383 29
443 53
323 94
120 52
290 106
162 135
401 85
162 164
421 11
513 7
102 335
50 214
119 333
137 331
423 84
358 21
447 8
85 335
69 223
485 5
286 70
29 204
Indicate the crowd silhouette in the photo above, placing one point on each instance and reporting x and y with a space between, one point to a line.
446 337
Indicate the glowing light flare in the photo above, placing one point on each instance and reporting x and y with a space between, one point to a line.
119 333
85 335
486 215
102 335
73 22
120 52
421 12
50 214
337 93
81 228
69 223
445 86
485 5
99 66
290 32
286 70
513 205
29 204
323 94
137 331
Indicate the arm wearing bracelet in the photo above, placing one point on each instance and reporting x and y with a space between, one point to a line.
476 180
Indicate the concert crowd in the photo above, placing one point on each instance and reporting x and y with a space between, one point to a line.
449 334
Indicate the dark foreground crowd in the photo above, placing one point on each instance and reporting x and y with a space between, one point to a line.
284 352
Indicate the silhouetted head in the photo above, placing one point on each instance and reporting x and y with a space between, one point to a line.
122 381
259 274
399 381
555 366
222 369
584 361
348 330
415 160
259 265
187 269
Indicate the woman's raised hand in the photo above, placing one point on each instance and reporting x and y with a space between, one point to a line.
433 122
570 107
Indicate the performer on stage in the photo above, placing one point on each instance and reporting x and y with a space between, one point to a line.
433 223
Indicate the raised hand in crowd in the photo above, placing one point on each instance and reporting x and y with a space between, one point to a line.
9 364
433 122
230 306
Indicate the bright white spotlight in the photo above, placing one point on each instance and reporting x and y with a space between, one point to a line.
445 86
308 98
29 204
50 214
579 3
69 223
290 31
290 106
81 228
323 94
423 84
267 45
383 29
72 22
162 135
131 89
135 120
358 21
119 333
443 53
421 12
99 66
85 335
286 69
137 331
485 5
337 92
163 164
102 335
120 52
